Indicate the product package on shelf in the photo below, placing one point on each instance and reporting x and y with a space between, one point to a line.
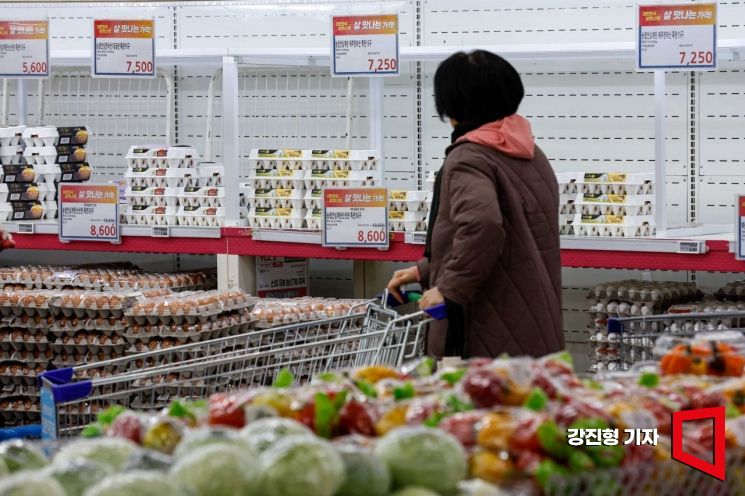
606 204
408 211
169 186
630 298
284 187
34 161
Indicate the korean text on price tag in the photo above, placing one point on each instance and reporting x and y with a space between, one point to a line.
680 36
89 212
124 48
740 227
24 49
365 45
355 217
281 277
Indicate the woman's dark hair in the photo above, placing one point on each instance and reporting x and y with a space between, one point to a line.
477 88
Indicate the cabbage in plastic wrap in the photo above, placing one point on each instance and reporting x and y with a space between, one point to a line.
218 470
207 436
30 484
367 475
137 484
266 432
301 466
423 457
113 452
21 455
76 476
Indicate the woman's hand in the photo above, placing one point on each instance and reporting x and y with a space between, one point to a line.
431 298
6 240
401 277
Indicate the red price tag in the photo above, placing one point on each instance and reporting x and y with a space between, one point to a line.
123 48
24 49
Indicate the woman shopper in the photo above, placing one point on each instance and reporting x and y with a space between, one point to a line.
492 252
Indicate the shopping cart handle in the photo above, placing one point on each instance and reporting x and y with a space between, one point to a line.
408 296
615 325
21 432
437 312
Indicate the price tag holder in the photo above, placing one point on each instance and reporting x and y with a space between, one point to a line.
24 49
89 212
355 217
124 48
740 227
677 36
364 45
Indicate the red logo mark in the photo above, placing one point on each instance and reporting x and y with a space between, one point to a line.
716 469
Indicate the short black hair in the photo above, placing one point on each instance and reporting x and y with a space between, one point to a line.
477 88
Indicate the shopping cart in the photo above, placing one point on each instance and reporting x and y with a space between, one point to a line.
634 337
374 334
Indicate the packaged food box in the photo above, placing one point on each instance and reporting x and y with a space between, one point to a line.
11 154
211 174
11 135
354 160
39 155
75 172
40 136
162 156
277 172
277 183
275 203
314 219
340 179
32 210
76 135
19 173
152 195
291 193
49 173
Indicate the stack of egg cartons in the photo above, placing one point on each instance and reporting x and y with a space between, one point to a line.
606 204
168 186
408 211
35 160
285 187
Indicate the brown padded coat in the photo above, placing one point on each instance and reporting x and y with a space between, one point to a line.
495 251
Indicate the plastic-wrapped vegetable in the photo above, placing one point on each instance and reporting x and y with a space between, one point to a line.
265 432
367 475
30 484
113 452
414 491
20 455
476 487
146 459
163 435
206 436
136 484
300 466
218 470
423 457
76 476
4 470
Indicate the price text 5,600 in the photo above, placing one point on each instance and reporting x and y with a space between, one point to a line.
34 67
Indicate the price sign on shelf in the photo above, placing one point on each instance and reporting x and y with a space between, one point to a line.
364 45
677 36
124 48
24 49
355 217
89 212
281 277
740 227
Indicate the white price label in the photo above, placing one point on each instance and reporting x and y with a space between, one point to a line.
89 212
24 49
355 217
124 48
281 277
677 36
364 45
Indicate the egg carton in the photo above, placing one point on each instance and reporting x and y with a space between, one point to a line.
275 203
40 136
150 215
11 135
200 216
211 174
162 177
72 135
406 216
73 173
604 198
152 195
92 304
267 170
272 183
161 156
608 230
606 209
50 155
30 210
201 196
83 343
33 357
319 159
11 155
407 225
319 183
276 218
27 192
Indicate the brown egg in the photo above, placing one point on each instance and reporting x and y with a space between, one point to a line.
27 300
153 344
41 301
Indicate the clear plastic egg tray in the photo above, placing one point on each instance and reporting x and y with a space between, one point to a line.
201 196
152 196
40 136
200 216
12 154
150 215
162 177
11 135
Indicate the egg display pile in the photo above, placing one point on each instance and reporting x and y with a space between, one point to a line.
606 204
169 186
284 189
34 161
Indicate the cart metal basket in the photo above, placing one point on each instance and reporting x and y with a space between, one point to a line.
70 399
634 337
